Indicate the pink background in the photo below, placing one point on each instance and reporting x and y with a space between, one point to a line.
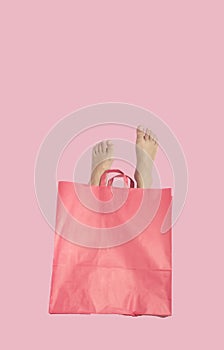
165 56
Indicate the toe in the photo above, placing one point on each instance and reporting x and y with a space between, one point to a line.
109 144
151 136
140 132
155 141
154 138
95 149
103 146
147 134
99 147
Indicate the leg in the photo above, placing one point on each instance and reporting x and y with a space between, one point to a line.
102 158
146 148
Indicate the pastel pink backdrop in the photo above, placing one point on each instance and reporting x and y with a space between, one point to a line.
165 56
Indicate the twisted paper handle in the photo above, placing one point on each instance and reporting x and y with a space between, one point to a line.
110 182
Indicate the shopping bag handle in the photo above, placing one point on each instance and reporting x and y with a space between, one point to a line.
121 174
125 177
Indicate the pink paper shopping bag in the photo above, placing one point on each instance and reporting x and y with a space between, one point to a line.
110 256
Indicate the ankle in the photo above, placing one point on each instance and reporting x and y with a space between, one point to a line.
96 175
144 180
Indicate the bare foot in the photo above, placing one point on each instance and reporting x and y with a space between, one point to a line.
102 158
146 147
